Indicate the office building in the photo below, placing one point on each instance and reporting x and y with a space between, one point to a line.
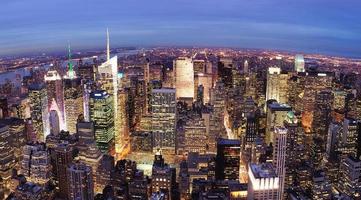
277 85
276 115
184 77
163 108
102 115
263 182
299 63
80 180
279 156
39 111
228 159
55 92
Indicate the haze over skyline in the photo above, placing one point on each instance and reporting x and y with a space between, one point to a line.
318 26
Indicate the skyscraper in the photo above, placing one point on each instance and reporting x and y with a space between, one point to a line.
277 85
279 156
164 108
39 110
73 99
108 79
263 182
101 112
63 157
276 115
35 165
7 159
80 180
228 159
55 92
184 77
299 63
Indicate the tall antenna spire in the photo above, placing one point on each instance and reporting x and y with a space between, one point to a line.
108 46
70 64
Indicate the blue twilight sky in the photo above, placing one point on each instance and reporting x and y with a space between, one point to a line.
321 26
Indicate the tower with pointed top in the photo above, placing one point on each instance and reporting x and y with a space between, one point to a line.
108 79
73 100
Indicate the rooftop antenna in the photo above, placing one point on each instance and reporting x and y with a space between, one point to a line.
108 46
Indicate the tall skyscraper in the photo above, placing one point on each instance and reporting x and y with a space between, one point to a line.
108 79
279 156
73 99
101 112
7 159
276 115
184 77
63 157
164 108
80 180
299 63
228 159
39 111
277 85
55 92
263 182
55 119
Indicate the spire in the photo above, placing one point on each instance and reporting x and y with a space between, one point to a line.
70 64
108 46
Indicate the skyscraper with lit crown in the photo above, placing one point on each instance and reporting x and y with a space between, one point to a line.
73 99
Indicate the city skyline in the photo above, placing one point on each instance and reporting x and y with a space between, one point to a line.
306 26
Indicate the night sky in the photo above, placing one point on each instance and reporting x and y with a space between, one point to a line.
316 26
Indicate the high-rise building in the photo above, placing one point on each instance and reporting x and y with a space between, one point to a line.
7 159
276 115
102 114
54 91
4 108
163 176
320 186
279 156
35 165
108 79
73 97
55 119
104 173
80 180
164 108
350 175
277 85
228 159
263 182
63 157
349 137
299 63
86 134
195 130
39 111
184 77
92 158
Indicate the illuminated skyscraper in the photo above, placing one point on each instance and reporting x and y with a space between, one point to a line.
7 159
39 111
277 85
73 98
108 79
195 130
276 115
54 89
63 157
80 181
56 119
263 182
102 114
279 156
299 63
184 77
164 108
349 137
228 159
